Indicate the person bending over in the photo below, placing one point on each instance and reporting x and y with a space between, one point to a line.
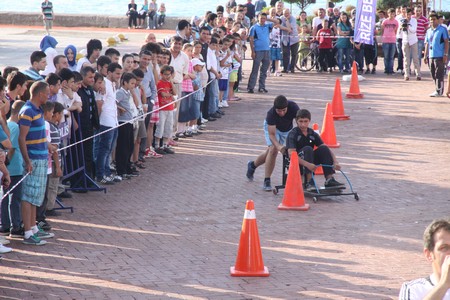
303 139
278 123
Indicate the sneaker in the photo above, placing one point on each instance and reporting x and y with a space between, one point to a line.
200 127
44 225
180 135
4 249
310 186
187 133
34 240
250 171
262 90
220 104
216 115
160 151
4 232
225 103
204 121
250 91
105 180
133 174
112 166
419 78
435 94
117 178
367 71
267 186
211 119
4 241
373 71
41 234
168 150
170 143
406 78
331 182
17 232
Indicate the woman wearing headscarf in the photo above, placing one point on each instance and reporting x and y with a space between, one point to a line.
48 45
71 53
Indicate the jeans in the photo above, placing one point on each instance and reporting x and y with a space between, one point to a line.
152 23
344 65
389 53
213 97
10 207
400 54
420 46
290 56
105 143
260 64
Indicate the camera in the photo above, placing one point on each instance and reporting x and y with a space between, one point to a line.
405 24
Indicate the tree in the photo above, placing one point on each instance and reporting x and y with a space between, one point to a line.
386 4
302 4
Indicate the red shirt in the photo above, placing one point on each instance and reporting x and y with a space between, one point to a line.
422 26
325 41
164 87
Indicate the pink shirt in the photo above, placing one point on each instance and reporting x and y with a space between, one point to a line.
390 31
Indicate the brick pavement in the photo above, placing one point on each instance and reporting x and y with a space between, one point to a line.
173 232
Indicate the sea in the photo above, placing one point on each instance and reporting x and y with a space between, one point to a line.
175 8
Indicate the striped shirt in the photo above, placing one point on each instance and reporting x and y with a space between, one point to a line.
36 139
422 26
47 10
417 289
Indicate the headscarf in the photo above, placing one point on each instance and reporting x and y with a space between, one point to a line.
48 42
74 50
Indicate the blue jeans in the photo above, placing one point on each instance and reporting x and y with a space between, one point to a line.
389 53
10 206
105 143
213 97
346 63
420 46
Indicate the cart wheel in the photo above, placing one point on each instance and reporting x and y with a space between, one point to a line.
356 197
315 199
275 191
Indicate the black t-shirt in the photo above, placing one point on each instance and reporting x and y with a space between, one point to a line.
296 140
284 123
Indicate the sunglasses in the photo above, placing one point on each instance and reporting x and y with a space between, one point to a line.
136 61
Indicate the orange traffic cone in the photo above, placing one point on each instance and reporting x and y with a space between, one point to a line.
354 92
337 104
293 198
319 170
328 134
249 262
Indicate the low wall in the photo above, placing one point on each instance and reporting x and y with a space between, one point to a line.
70 20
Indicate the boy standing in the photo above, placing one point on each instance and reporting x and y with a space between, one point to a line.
325 47
33 145
47 15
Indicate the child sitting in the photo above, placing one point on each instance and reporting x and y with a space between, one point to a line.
303 139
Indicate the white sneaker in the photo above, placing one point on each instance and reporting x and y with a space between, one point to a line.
4 241
225 103
4 249
220 104
435 94
204 120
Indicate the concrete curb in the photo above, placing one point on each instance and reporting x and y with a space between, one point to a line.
72 20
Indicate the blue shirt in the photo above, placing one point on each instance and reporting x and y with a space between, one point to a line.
15 166
260 33
435 39
36 139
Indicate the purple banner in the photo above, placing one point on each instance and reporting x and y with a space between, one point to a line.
365 21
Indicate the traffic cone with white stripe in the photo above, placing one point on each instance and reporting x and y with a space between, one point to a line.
249 262
293 198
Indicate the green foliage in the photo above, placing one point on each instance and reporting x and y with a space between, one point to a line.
302 4
386 4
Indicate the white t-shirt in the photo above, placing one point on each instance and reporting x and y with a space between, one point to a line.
318 21
180 65
417 289
399 19
211 62
108 115
50 68
224 70
81 62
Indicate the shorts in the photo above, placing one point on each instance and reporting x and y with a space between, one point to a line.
142 131
275 54
280 135
48 24
233 76
223 84
35 184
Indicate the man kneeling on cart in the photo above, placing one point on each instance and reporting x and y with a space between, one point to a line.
303 139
